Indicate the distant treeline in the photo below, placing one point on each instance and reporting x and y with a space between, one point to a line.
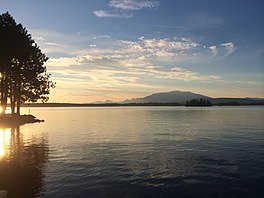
201 102
98 105
135 104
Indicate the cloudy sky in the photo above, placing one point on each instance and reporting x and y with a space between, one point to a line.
118 49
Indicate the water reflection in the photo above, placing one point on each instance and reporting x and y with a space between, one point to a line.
4 138
22 163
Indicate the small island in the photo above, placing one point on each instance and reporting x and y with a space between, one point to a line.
23 75
202 102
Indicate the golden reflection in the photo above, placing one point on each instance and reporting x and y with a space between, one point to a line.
22 163
5 136
7 111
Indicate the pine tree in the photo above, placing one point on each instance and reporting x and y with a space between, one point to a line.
24 77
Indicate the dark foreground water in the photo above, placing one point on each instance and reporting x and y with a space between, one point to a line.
135 152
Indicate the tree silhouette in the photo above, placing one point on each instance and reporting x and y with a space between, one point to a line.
24 77
198 102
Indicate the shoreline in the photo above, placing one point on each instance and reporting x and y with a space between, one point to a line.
9 120
124 105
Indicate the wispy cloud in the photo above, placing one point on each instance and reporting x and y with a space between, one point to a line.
165 50
103 14
120 8
228 45
225 50
111 71
130 60
213 50
133 4
54 44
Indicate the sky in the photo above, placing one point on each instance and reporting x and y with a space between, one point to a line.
121 49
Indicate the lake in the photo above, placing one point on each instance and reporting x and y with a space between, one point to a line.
135 152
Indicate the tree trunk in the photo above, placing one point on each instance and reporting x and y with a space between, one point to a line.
3 93
18 107
18 97
12 98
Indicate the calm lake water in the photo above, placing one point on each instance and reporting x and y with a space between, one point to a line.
135 152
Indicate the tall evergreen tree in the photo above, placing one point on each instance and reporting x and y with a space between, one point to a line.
24 77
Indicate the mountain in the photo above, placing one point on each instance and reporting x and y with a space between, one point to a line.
168 97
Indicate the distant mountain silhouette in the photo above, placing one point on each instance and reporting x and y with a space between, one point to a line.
183 96
168 97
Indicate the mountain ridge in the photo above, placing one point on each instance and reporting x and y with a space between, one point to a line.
183 96
167 97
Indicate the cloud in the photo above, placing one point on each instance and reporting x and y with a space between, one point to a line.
169 44
165 50
54 44
62 45
226 49
38 38
221 51
104 14
119 74
228 45
161 49
126 62
213 47
120 8
133 4
213 50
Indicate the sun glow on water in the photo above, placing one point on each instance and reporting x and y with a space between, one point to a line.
7 111
5 135
2 146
